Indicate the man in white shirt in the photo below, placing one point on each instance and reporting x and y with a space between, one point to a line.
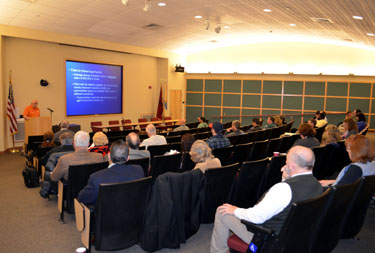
298 185
153 139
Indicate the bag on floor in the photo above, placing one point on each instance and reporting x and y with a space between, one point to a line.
30 176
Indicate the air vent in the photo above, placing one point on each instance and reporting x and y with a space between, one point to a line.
152 27
213 41
348 39
322 20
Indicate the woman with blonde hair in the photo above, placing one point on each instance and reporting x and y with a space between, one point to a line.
331 135
361 154
100 144
200 153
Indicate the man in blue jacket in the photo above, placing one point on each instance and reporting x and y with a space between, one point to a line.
117 172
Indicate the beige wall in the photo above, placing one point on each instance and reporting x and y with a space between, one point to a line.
31 60
283 58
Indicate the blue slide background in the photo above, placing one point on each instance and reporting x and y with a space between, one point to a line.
93 88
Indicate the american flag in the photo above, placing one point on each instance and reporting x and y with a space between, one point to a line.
11 111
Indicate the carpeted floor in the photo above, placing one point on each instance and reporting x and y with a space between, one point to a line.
29 223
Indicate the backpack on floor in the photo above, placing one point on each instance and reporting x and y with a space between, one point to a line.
30 176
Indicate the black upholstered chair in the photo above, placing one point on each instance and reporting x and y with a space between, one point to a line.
186 162
119 214
175 138
77 180
233 139
158 149
259 151
165 163
244 138
223 154
261 135
296 232
358 211
319 132
334 217
143 162
319 165
218 182
273 146
246 188
273 173
241 152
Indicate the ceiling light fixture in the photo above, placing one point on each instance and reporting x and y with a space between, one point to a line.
162 4
147 6
267 10
292 24
358 17
371 34
125 2
198 16
226 26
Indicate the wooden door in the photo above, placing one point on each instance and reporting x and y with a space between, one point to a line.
176 104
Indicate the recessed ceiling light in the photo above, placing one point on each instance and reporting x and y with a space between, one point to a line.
226 26
198 16
292 24
162 4
371 34
267 10
358 17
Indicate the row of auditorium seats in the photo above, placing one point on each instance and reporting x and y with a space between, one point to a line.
315 225
96 125
219 185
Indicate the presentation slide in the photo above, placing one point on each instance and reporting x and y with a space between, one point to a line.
93 88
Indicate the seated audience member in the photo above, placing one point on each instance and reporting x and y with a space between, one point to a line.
321 120
153 139
270 123
255 125
307 134
350 128
217 140
187 141
203 122
283 120
182 126
298 185
361 121
312 122
340 126
100 144
133 141
361 154
278 120
117 172
200 153
80 156
354 114
66 140
331 135
64 125
47 142
235 129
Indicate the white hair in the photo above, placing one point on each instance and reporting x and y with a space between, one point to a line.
81 139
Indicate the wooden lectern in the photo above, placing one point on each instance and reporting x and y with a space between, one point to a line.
37 126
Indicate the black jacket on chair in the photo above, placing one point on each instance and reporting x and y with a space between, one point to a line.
173 213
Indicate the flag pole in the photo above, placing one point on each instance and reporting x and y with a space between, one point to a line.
13 149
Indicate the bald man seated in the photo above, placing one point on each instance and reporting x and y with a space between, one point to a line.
153 139
298 185
31 110
64 125
133 141
182 126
